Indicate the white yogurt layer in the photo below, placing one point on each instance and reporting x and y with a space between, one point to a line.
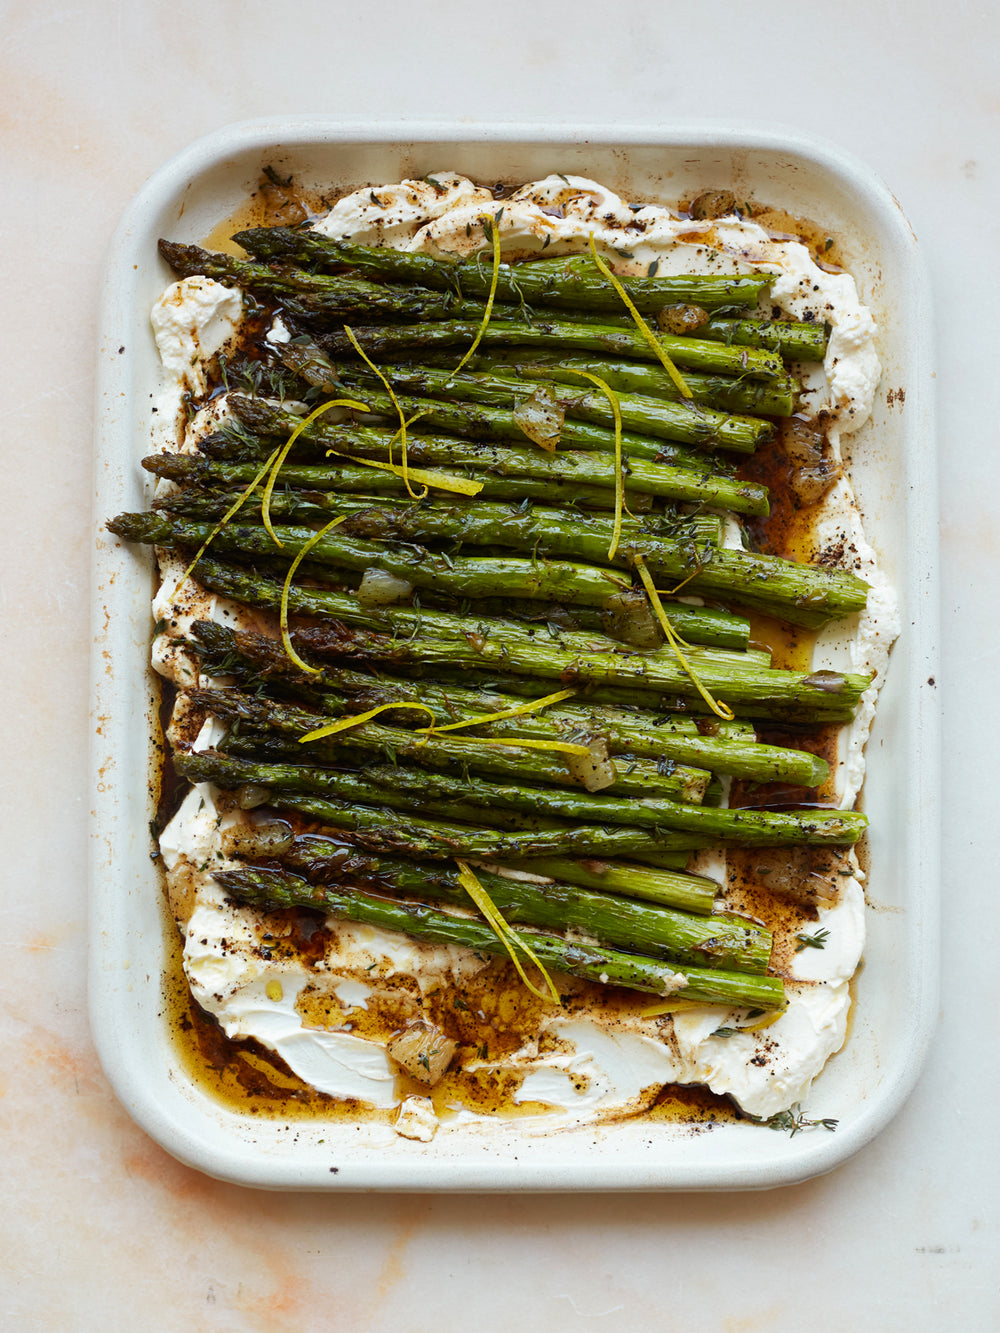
593 1065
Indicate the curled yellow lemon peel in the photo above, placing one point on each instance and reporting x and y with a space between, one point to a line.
230 513
494 232
616 410
640 323
441 481
519 710
508 937
672 592
275 468
719 708
558 747
283 611
358 720
405 471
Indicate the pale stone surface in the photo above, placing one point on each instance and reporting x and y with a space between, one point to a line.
101 1229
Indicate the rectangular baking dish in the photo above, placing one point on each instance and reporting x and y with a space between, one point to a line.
893 470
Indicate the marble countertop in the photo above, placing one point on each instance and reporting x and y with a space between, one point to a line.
102 1229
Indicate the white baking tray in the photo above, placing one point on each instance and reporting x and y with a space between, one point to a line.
894 474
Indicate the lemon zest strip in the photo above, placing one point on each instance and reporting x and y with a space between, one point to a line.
442 481
283 612
494 229
404 473
265 508
616 410
508 937
400 435
672 592
519 710
640 323
561 747
719 708
358 719
230 512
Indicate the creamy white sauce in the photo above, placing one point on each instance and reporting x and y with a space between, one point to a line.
600 1067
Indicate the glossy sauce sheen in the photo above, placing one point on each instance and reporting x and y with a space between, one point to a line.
491 1014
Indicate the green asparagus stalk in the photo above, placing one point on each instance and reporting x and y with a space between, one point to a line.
733 749
801 594
724 940
462 576
677 422
575 282
793 591
321 298
444 750
316 297
794 340
291 787
311 854
682 421
328 483
772 398
671 466
272 890
818 826
751 827
751 689
319 506
687 893
386 342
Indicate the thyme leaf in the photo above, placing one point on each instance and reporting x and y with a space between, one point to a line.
817 941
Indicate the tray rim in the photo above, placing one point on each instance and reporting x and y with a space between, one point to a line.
109 1000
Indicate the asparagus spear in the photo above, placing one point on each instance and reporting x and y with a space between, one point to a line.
291 787
452 751
694 425
444 751
573 282
796 592
774 397
463 576
795 340
733 749
672 463
687 893
493 838
724 940
387 341
195 502
751 689
751 827
271 889
328 483
316 297
683 421
340 559
313 854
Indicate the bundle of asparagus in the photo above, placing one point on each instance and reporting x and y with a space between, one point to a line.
524 645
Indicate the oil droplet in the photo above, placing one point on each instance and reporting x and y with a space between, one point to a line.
273 991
